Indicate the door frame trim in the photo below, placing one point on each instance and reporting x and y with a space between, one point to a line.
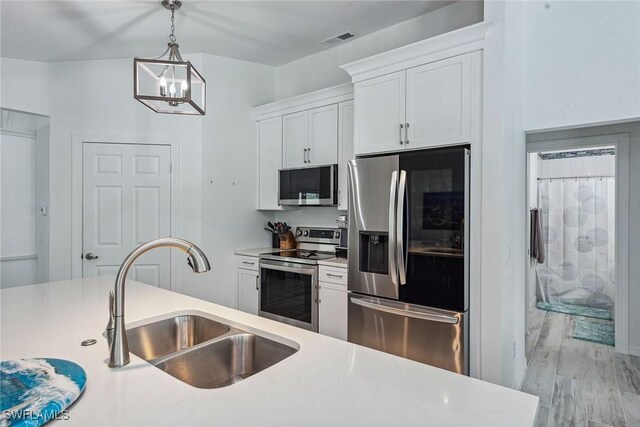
621 143
77 139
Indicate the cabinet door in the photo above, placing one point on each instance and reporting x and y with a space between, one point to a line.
323 136
439 103
269 162
248 291
379 113
332 316
345 150
295 139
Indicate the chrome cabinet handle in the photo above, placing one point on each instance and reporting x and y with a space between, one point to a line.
401 126
90 256
248 263
308 155
393 268
406 133
339 276
305 156
257 283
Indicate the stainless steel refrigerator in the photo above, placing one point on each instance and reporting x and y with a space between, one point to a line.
409 255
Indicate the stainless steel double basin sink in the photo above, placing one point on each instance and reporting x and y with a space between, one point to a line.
203 352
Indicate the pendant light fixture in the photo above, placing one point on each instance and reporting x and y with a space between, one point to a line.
169 84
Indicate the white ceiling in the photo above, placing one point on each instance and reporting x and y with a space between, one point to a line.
267 32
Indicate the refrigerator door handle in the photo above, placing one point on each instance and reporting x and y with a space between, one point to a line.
400 258
393 193
423 314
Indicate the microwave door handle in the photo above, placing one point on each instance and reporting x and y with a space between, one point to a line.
401 259
421 315
393 192
309 271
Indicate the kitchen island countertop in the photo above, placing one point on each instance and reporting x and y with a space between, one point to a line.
328 382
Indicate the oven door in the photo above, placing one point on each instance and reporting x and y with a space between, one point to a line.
289 293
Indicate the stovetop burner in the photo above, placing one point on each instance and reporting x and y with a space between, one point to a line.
299 255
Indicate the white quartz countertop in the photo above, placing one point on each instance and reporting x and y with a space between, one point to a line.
326 383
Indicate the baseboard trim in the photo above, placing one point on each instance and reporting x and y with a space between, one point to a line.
635 350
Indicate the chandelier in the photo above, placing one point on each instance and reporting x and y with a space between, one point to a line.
168 84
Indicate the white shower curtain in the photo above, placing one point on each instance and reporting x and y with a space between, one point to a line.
579 237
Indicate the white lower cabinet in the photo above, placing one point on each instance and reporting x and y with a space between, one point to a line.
332 296
248 285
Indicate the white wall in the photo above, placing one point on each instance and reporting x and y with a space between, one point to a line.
582 62
229 158
503 198
322 70
633 129
24 86
96 97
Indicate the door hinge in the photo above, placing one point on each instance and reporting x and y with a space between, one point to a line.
170 167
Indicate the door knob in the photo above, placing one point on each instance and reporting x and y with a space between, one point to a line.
90 256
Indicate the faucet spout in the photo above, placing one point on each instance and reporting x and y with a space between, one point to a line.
118 345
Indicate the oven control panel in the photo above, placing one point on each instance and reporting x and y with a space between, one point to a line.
328 236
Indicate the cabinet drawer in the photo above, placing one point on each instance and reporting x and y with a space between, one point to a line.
248 263
333 275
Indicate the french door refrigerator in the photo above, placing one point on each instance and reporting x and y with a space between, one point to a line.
409 255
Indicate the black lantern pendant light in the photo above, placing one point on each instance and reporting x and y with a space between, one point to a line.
169 84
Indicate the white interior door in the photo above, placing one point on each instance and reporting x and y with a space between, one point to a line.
126 201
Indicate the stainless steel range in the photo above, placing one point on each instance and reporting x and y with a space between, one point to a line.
289 278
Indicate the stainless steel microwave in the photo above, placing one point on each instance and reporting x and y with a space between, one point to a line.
311 186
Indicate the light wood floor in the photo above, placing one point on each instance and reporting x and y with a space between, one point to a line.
579 383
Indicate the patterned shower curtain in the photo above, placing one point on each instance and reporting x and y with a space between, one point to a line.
579 240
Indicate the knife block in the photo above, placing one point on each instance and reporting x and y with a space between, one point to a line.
288 241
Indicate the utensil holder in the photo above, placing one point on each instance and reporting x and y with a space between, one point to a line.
288 241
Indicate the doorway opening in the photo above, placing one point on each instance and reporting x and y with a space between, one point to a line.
24 211
578 237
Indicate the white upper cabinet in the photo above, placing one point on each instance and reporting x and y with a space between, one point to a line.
269 162
323 136
303 131
310 138
379 113
438 103
422 95
345 150
295 139
425 106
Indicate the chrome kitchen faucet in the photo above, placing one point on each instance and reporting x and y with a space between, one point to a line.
116 333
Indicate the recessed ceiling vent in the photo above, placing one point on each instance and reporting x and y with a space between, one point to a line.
338 39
